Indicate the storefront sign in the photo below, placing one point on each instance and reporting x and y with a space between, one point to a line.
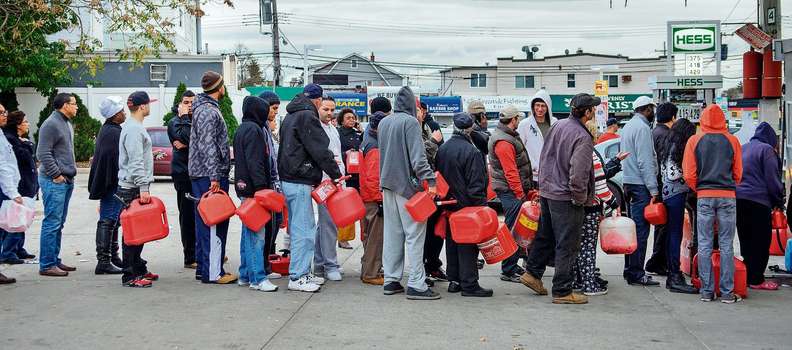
354 101
443 104
616 103
494 104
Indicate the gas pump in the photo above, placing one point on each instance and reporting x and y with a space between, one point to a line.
690 94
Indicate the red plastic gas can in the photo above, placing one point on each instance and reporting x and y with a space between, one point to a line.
779 220
253 215
353 161
528 221
617 235
778 242
346 207
498 247
421 206
473 225
324 191
144 222
655 213
216 207
280 264
271 200
440 183
740 275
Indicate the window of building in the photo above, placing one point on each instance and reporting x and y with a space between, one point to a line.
570 80
354 63
524 82
158 72
613 80
478 80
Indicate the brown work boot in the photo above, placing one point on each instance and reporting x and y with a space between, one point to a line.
54 272
571 298
227 278
6 280
534 283
67 268
378 281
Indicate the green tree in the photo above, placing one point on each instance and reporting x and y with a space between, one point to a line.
228 116
176 100
85 128
9 101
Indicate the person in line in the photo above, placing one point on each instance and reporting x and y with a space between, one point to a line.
179 129
9 178
666 116
209 164
326 257
252 174
372 224
433 245
351 136
403 168
480 134
434 126
566 184
57 169
759 192
611 131
675 193
12 250
274 226
461 165
712 166
103 182
512 179
604 203
534 129
640 184
135 175
303 156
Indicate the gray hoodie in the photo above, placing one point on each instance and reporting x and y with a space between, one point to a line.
135 159
403 163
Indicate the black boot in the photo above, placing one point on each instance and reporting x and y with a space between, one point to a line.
676 283
114 258
104 235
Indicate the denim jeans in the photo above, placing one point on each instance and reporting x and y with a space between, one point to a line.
511 209
675 207
11 245
210 241
724 212
56 198
109 207
251 254
302 228
638 197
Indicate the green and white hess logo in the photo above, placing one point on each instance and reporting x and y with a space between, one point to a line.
699 39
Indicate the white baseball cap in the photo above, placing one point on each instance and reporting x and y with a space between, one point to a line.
642 101
110 106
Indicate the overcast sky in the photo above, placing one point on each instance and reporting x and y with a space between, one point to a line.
472 32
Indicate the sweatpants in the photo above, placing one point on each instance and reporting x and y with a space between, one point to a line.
401 229
755 232
210 241
372 226
325 256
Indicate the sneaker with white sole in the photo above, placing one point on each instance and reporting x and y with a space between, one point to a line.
334 276
731 299
316 279
596 292
274 276
242 283
264 286
304 284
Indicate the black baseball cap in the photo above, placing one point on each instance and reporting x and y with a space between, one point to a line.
139 98
584 100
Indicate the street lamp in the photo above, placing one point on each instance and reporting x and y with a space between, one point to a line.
307 48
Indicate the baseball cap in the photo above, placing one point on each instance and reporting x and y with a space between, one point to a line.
139 98
111 105
463 121
313 91
509 112
476 106
642 101
584 100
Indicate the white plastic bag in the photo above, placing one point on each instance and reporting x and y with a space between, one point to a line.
15 217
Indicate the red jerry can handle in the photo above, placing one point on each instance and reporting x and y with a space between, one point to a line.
209 193
448 202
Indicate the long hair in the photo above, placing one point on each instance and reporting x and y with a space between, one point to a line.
681 132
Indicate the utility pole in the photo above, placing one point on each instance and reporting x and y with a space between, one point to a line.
770 22
276 65
198 26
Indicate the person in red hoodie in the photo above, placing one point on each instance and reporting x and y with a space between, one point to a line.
712 167
373 223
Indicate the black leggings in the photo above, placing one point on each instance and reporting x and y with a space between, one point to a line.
755 231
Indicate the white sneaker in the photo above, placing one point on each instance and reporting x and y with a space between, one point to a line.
242 283
303 284
274 276
264 286
316 279
334 276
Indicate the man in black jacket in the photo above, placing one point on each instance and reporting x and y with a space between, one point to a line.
179 135
666 116
302 157
461 165
103 184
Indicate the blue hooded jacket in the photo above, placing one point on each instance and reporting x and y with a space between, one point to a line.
761 181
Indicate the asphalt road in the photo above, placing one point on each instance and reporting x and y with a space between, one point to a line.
84 311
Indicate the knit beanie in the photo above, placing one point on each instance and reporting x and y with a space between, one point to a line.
211 81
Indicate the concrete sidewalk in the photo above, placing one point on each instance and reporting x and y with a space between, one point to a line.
84 311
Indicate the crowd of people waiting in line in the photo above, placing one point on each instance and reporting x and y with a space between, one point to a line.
524 158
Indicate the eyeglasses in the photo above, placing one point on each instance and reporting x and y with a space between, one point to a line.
4 112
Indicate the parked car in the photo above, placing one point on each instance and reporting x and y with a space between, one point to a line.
608 150
162 149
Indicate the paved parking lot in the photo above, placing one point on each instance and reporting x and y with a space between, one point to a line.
84 311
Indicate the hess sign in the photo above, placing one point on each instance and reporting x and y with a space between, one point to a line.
694 36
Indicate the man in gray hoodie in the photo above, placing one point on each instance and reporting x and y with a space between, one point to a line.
403 167
55 152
